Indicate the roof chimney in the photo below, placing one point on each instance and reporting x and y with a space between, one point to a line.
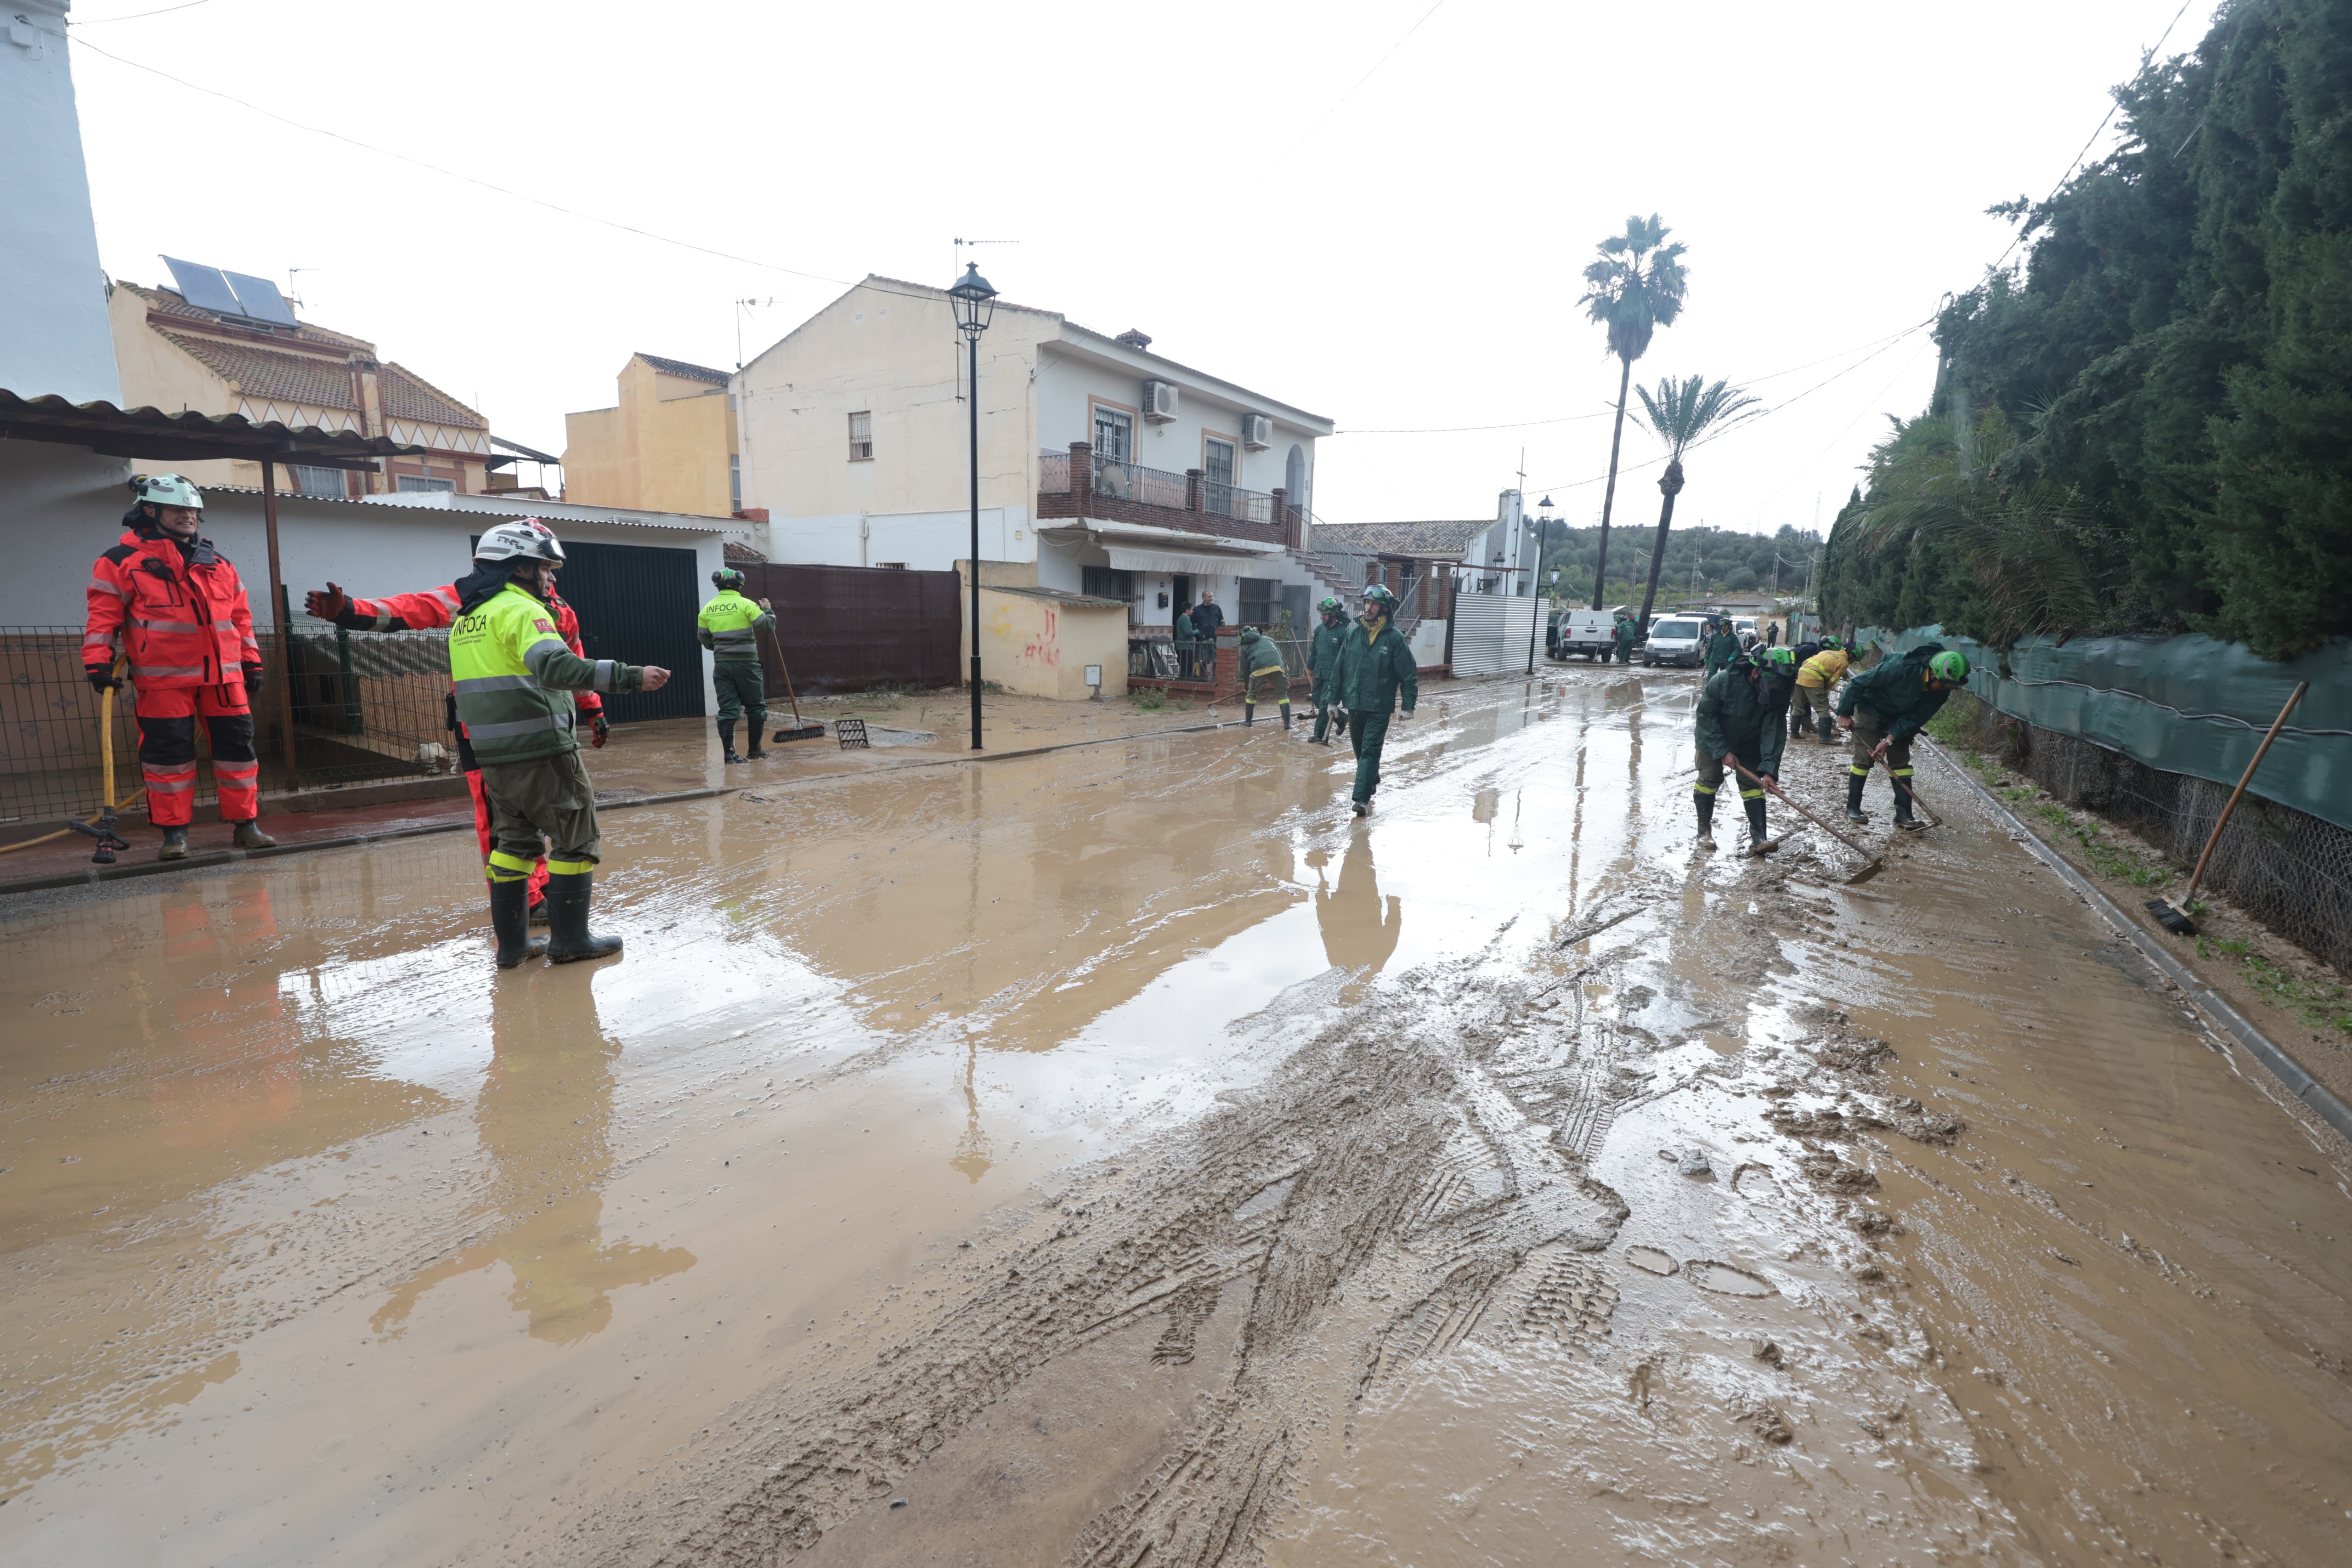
1133 338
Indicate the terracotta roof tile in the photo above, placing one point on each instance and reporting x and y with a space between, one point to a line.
1447 537
690 371
408 395
270 372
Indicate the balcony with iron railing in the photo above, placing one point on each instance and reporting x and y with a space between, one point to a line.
1082 482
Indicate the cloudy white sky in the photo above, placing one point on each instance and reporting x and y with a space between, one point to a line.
1378 210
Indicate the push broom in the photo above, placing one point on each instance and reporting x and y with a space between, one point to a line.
2176 919
801 730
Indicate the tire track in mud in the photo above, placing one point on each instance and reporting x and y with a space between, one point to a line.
1373 1197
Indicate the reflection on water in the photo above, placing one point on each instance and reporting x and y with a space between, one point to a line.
1359 930
544 1117
240 1064
972 1149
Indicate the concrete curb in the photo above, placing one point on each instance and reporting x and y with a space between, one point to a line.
96 874
2212 1002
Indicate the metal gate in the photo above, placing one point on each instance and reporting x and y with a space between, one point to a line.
850 628
637 603
1490 632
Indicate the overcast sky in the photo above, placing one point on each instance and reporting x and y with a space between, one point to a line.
1376 210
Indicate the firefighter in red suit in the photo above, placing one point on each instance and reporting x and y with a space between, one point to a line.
173 605
438 608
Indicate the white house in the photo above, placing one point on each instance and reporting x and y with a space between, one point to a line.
1459 577
1106 469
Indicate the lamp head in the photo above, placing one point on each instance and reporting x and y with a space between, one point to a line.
974 301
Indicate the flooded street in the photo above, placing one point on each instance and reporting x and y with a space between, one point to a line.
1121 1155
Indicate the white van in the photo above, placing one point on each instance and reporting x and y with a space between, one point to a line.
1592 633
1674 639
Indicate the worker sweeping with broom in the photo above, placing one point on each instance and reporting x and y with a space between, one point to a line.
175 609
729 627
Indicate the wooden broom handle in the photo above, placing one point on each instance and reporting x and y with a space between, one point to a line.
2215 836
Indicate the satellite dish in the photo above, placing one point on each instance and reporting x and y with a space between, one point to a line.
1115 481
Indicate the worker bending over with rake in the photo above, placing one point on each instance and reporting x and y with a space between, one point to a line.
729 627
1883 707
430 610
175 608
1262 671
1741 712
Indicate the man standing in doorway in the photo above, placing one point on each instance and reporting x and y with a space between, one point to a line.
175 608
1375 666
729 627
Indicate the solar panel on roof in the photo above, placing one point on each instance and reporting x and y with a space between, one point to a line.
204 287
261 299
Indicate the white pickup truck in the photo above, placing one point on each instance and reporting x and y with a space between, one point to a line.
1592 633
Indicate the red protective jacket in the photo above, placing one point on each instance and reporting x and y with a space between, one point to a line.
439 607
182 619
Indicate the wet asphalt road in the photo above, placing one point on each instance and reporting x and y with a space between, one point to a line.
327 1244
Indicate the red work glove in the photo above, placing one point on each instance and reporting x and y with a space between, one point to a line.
599 728
332 604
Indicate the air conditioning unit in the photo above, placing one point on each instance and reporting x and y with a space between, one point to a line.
1159 402
1258 432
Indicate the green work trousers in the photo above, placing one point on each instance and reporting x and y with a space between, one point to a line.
549 796
1326 707
742 686
1866 735
1367 732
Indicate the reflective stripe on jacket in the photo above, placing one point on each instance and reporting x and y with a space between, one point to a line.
1824 669
729 626
1258 654
182 619
514 677
436 607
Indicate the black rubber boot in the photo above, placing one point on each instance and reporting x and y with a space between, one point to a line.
248 836
727 742
1249 715
1903 818
511 918
1828 731
567 918
539 910
1705 800
1796 728
175 844
1755 833
755 751
1285 715
1854 782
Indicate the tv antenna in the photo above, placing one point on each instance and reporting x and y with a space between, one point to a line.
962 243
290 271
742 306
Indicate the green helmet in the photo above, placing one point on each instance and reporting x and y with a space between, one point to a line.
1378 594
1951 668
1831 644
727 577
1333 604
165 490
1777 657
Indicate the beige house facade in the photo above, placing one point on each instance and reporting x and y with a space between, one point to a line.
176 356
668 443
1107 469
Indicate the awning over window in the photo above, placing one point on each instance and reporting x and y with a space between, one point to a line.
1138 547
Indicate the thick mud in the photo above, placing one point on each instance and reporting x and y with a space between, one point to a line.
1122 1156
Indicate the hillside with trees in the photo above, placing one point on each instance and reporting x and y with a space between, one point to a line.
2149 429
1726 562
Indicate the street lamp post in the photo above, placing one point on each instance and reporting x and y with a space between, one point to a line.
975 304
1543 522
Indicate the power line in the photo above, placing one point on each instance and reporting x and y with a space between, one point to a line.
137 15
1361 80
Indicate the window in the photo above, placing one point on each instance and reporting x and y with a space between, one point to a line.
327 483
735 478
1258 597
1114 434
422 483
861 436
1217 460
1107 582
889 566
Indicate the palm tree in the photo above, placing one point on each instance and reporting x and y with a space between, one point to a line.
1681 413
1637 286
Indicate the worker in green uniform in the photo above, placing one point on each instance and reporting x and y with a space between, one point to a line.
1817 673
729 627
1627 636
1742 714
1262 672
1375 664
1883 707
1722 648
1323 664
514 680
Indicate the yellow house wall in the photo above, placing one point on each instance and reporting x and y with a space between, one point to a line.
656 450
1041 649
898 357
157 374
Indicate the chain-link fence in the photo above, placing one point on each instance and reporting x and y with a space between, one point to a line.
365 708
2288 870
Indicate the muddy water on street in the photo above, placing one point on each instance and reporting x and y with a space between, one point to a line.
1123 1152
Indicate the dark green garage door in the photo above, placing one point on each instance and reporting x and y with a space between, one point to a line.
637 604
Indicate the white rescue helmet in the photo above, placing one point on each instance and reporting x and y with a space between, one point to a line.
529 540
165 490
